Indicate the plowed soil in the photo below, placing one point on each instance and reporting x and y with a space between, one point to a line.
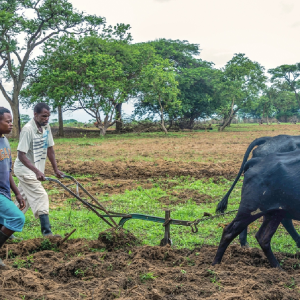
144 169
198 154
116 268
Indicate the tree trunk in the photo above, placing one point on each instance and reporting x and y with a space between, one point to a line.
119 123
103 130
102 126
191 123
16 119
60 122
171 123
229 118
163 126
162 123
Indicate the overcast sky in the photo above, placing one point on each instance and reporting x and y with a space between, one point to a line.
267 31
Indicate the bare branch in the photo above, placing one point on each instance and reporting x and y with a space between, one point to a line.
36 5
9 100
4 62
18 57
12 74
112 123
33 37
72 109
82 106
45 38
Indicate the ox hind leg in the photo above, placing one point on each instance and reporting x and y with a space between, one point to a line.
243 238
231 231
265 233
288 225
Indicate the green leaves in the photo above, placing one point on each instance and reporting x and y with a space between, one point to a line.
158 89
240 86
89 73
288 77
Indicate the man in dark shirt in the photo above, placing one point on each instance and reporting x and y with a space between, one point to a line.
10 215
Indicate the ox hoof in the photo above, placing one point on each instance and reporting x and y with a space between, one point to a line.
246 246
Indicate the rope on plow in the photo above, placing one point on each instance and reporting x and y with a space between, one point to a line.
194 224
218 215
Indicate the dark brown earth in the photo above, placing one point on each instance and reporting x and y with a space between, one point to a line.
83 269
144 169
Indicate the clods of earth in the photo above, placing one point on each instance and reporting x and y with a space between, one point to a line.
117 266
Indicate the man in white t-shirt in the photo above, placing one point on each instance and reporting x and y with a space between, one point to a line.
35 144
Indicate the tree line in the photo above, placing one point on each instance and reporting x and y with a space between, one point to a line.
87 65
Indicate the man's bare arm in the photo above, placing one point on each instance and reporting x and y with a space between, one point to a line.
51 156
16 192
27 163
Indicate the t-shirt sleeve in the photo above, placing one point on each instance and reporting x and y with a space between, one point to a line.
24 141
50 138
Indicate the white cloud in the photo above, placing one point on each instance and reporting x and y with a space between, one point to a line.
287 7
296 24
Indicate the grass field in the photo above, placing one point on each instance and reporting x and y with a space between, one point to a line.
186 172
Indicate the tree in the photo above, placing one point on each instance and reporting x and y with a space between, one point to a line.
180 53
67 75
284 101
288 76
197 89
266 105
90 81
35 21
133 58
195 80
52 79
158 90
239 87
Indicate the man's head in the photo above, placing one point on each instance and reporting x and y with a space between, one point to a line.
41 114
6 124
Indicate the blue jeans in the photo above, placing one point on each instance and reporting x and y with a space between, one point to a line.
10 215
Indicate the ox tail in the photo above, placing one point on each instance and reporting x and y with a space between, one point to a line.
222 206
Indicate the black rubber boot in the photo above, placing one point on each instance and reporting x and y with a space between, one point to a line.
3 239
45 226
12 237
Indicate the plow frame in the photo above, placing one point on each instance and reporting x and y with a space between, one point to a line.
96 206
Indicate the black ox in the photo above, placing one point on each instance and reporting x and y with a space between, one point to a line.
271 189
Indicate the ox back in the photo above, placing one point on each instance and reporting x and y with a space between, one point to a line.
271 183
266 146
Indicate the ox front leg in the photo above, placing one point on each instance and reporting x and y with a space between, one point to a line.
230 232
265 233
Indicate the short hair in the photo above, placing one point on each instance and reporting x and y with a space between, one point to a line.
40 106
3 111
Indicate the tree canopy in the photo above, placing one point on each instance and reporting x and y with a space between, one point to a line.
90 66
25 25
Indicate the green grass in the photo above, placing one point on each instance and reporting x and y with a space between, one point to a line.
88 225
